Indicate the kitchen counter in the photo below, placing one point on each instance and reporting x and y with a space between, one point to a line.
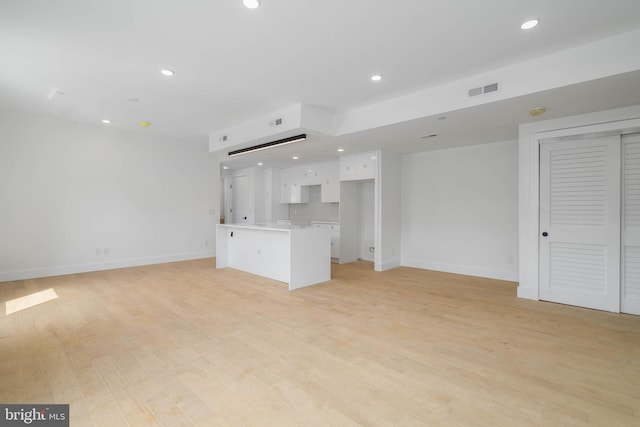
297 255
269 226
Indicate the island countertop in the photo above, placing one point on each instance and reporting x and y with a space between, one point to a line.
273 227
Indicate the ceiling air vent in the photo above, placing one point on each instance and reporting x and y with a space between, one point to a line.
475 91
276 122
492 87
223 138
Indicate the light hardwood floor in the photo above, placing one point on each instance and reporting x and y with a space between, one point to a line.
186 344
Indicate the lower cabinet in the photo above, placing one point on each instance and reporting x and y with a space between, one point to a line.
335 242
335 237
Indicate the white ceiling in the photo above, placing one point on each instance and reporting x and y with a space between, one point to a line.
82 60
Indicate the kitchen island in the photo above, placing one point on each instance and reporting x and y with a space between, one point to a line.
299 256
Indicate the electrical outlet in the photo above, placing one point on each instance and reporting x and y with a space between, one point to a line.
106 251
372 249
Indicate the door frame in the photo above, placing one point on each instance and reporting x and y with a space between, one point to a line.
227 178
620 120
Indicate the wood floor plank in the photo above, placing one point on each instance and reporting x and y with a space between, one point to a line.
186 344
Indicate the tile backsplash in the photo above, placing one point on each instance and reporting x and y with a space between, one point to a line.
315 210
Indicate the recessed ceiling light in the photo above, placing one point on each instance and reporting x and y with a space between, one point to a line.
225 167
529 24
376 77
251 4
340 150
167 72
105 121
295 157
54 92
260 164
145 124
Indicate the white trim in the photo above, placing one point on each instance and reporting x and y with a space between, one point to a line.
511 276
377 214
619 119
62 270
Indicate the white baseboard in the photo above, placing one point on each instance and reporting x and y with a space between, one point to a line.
389 265
511 276
61 270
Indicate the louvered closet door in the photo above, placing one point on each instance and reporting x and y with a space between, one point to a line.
630 298
580 215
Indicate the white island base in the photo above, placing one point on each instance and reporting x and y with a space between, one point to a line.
297 256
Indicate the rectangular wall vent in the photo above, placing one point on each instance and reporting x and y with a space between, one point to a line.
491 87
223 138
276 122
475 91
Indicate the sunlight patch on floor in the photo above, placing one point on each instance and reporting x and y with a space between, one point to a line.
30 300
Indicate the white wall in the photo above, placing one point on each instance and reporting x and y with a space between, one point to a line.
366 202
314 210
255 196
259 191
460 210
69 190
273 209
388 211
349 222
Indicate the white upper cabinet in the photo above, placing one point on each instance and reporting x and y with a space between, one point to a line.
295 182
299 191
349 168
313 174
292 187
330 184
358 166
367 163
285 185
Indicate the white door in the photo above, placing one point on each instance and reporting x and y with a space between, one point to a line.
239 199
630 288
580 222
